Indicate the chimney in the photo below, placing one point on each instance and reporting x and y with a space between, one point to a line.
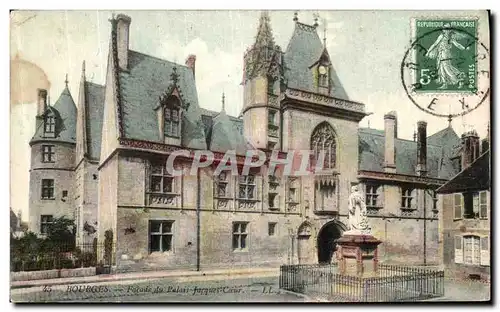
191 62
122 39
421 148
390 125
470 148
42 102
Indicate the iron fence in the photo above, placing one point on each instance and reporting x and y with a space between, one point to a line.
61 256
391 283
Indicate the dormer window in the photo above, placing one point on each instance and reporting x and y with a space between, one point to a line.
50 125
171 117
323 76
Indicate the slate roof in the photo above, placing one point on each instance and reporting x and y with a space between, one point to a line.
65 112
439 165
304 50
95 114
140 88
224 132
475 177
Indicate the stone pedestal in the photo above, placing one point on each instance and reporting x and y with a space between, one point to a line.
357 254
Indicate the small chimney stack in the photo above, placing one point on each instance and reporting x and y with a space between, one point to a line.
122 39
470 148
390 126
191 62
41 102
421 148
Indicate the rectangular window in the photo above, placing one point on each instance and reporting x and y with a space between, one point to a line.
270 85
48 153
240 235
483 205
247 187
45 222
273 191
271 118
160 235
372 195
65 193
407 198
271 229
171 122
222 184
47 189
161 180
458 203
50 125
471 247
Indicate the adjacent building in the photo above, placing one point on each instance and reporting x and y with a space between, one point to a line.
148 108
466 213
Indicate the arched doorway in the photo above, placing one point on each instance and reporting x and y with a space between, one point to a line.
326 240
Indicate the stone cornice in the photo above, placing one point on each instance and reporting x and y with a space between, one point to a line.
401 178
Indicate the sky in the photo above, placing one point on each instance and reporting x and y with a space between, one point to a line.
366 49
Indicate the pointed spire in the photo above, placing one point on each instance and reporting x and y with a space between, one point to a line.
223 102
316 20
66 80
450 118
264 33
296 16
324 33
83 69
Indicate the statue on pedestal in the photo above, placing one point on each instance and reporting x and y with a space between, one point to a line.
358 221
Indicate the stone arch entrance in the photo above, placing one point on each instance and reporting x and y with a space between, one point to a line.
326 240
305 247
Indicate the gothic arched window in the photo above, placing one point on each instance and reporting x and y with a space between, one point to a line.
171 111
323 141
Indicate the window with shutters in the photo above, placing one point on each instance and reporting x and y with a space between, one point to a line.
458 203
471 250
483 205
240 236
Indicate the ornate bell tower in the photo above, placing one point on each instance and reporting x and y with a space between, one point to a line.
262 83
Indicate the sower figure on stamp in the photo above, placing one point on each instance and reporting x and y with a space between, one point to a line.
442 51
358 221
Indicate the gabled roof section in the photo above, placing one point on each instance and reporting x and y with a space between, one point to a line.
65 122
226 135
303 51
371 155
475 177
94 118
141 88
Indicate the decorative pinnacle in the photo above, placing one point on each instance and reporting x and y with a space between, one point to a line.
450 118
316 20
324 33
66 81
223 101
83 68
174 76
296 16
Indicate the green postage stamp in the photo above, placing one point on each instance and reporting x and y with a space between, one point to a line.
447 57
